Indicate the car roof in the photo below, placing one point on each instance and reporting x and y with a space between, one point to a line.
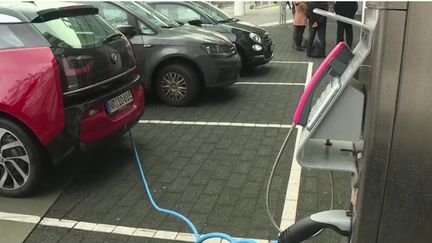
28 11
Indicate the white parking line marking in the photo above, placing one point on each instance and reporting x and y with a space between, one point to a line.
104 228
289 211
162 234
146 233
20 217
226 124
122 230
309 72
271 83
84 226
59 223
291 198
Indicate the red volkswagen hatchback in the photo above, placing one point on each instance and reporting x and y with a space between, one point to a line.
67 80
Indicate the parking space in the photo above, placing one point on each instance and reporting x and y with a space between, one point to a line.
209 161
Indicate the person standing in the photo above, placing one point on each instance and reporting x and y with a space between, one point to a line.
299 24
317 24
346 9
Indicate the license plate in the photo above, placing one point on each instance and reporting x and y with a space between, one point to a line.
119 102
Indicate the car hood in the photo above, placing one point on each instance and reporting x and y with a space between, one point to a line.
199 34
245 26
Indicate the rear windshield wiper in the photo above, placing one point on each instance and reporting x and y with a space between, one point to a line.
111 37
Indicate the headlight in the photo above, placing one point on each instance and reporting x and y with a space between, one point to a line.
255 37
219 50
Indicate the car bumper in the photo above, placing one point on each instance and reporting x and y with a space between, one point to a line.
262 57
219 72
84 130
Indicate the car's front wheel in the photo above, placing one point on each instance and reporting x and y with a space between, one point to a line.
20 160
177 85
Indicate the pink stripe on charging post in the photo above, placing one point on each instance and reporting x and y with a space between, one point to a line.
318 75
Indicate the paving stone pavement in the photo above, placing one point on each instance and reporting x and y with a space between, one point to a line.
215 175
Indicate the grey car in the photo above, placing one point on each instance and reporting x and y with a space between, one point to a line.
175 61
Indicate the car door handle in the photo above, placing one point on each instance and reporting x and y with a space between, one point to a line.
147 45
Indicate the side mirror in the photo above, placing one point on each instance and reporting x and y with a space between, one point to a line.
195 22
127 30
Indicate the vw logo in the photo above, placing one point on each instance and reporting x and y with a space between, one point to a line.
114 57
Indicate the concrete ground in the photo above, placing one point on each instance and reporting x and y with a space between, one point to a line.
214 173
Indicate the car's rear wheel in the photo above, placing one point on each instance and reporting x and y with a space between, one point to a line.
177 85
20 160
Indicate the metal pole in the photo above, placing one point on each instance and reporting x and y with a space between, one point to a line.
282 14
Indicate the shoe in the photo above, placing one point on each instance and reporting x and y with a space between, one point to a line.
299 48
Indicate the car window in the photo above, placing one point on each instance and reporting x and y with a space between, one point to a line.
144 11
19 36
144 29
115 15
86 31
178 12
213 12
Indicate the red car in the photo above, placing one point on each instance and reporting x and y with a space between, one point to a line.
67 80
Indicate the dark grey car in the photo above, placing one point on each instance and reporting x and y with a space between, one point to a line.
175 61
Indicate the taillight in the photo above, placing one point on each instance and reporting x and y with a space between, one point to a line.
78 71
129 49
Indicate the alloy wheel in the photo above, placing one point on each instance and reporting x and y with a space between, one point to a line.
14 161
174 86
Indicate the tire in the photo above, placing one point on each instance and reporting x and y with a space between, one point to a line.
21 160
177 85
244 67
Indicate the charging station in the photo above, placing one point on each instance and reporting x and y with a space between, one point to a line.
376 128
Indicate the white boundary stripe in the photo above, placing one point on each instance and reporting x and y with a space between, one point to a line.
309 72
16 217
291 198
289 211
104 228
203 123
271 83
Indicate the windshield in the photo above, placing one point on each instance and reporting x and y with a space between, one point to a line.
146 12
213 12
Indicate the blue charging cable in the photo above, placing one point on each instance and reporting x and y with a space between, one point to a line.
198 237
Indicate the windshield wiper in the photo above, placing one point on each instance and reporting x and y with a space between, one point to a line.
111 37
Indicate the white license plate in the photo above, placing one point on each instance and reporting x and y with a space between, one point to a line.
119 102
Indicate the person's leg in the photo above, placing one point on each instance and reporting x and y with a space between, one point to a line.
312 32
349 34
294 36
322 28
299 37
340 31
